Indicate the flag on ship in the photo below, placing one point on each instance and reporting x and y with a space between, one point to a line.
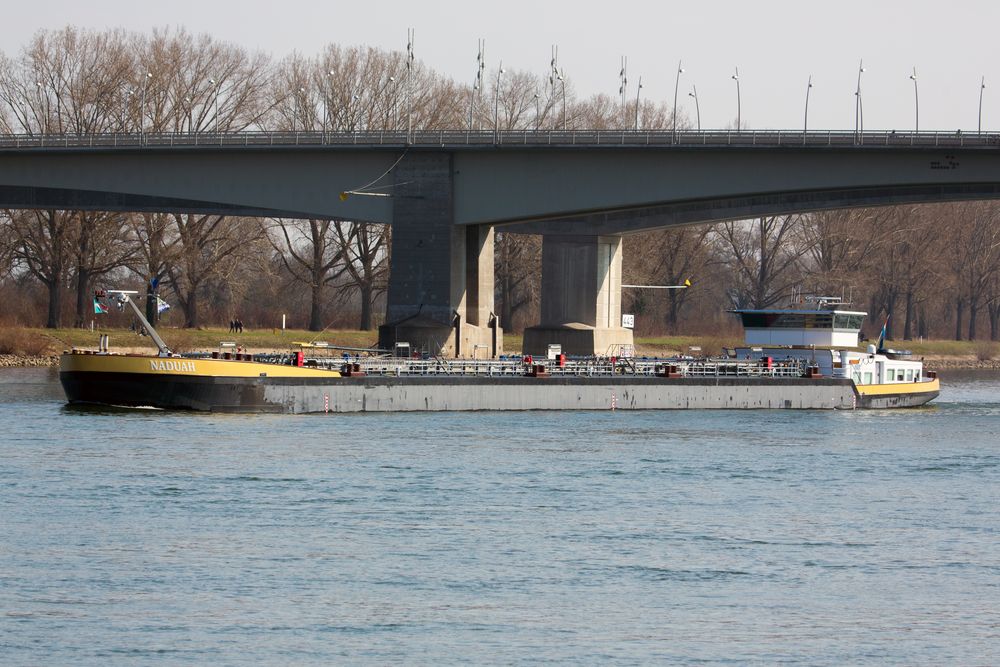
881 336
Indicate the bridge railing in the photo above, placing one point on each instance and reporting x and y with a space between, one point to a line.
509 138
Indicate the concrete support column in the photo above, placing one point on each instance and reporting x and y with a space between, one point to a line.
440 297
581 297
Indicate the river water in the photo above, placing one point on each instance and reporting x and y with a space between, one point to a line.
822 538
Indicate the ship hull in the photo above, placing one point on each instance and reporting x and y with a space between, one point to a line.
901 395
233 386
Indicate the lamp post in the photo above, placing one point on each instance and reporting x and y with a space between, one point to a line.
805 123
638 90
982 87
916 103
558 75
739 104
859 120
409 84
125 99
623 78
562 78
496 105
326 101
477 87
395 103
677 82
295 110
218 87
44 108
536 111
142 105
697 108
190 114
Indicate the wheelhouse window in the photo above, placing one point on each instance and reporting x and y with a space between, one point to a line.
842 321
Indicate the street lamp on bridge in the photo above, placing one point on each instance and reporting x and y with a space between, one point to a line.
127 94
697 108
982 87
805 124
411 33
558 75
859 113
677 82
326 100
916 102
623 78
299 95
496 104
638 91
477 88
43 126
218 88
142 106
736 78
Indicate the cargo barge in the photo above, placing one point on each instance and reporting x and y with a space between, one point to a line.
314 378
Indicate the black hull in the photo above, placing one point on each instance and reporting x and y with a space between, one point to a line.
168 392
907 400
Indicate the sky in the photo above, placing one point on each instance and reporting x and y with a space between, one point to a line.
776 44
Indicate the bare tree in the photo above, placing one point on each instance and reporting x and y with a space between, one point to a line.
207 246
155 242
840 243
68 81
763 257
365 247
670 256
7 245
43 243
518 263
187 83
311 252
975 258
101 246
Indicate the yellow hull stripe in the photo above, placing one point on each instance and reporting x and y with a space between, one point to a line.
176 366
899 388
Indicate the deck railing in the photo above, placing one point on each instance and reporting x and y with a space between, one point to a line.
457 139
515 367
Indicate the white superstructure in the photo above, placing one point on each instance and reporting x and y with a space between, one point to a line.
825 337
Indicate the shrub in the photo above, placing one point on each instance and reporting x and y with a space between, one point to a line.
985 350
22 342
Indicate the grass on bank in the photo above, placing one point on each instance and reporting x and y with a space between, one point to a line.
40 342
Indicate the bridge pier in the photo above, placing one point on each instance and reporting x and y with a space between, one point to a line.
440 296
581 297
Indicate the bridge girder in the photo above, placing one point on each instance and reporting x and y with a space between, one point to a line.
538 189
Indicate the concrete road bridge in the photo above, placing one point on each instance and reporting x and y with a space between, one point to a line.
444 193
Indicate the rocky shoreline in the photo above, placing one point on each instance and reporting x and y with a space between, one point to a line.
934 364
962 364
26 361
